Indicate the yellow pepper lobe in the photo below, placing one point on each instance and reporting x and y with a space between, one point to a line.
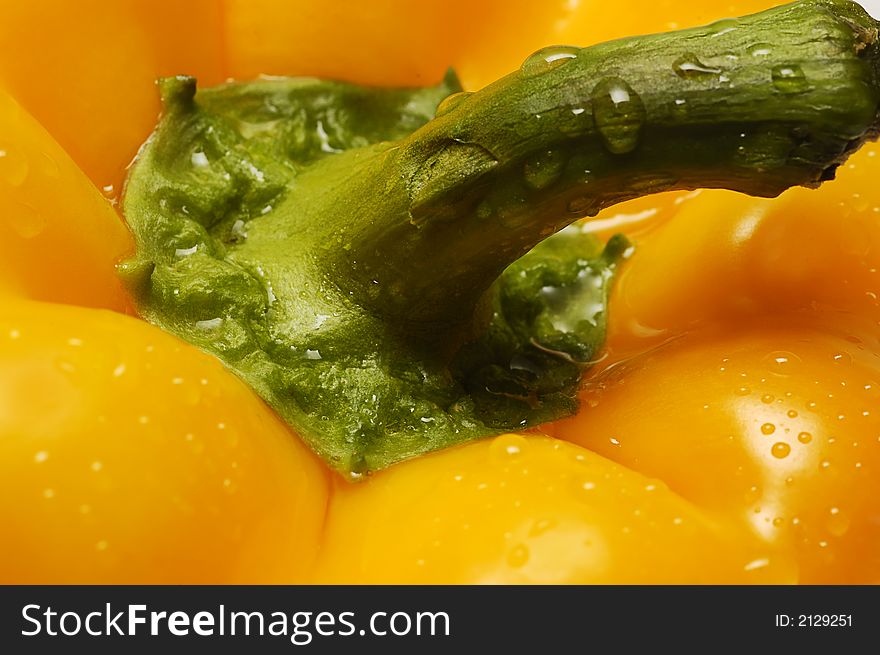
60 239
104 482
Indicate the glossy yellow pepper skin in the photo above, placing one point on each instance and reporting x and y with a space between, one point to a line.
527 510
728 436
128 456
60 238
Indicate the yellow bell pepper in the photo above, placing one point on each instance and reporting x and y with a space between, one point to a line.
743 328
130 456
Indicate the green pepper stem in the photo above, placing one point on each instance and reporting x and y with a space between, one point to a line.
755 105
350 257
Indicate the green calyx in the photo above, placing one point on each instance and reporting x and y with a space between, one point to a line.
372 264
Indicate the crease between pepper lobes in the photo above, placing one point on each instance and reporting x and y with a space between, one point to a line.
338 249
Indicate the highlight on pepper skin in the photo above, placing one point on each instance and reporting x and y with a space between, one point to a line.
781 411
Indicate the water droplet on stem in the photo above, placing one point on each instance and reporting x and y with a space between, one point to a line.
549 58
790 79
619 115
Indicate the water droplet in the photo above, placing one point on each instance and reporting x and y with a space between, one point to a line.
549 58
768 428
838 523
186 252
619 114
518 556
41 457
199 159
47 165
654 485
238 232
790 79
323 139
13 168
451 102
25 221
507 447
805 437
541 526
792 413
65 366
689 66
753 494
210 324
743 391
767 398
544 169
778 522
781 362
780 450
723 26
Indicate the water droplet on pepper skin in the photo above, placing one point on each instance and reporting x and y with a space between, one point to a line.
507 447
838 523
26 221
518 556
782 362
780 450
14 168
